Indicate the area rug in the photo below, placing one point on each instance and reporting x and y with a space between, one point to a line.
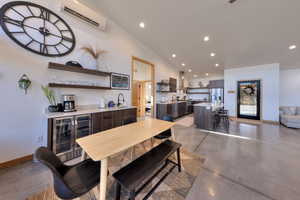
175 187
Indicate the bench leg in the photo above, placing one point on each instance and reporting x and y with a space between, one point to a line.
118 191
132 195
178 160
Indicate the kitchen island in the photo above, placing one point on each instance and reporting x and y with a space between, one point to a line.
204 116
175 109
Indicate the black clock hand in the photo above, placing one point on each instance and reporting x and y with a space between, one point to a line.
44 34
58 36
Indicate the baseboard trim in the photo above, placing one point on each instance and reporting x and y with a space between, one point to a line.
16 162
254 121
270 122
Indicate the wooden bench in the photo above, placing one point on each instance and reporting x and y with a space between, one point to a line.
147 167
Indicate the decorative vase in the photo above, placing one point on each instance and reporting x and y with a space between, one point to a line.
52 108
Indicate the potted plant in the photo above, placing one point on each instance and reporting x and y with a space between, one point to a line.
51 98
93 56
24 83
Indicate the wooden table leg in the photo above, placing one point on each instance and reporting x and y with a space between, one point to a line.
83 155
103 179
173 134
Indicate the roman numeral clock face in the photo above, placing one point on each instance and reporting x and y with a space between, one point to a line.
37 29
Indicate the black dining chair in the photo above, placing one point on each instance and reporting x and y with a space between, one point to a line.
70 182
166 134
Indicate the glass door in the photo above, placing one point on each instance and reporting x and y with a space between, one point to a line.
63 134
82 129
248 102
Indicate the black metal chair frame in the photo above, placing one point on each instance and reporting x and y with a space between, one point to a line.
61 186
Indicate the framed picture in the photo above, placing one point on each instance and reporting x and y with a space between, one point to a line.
120 81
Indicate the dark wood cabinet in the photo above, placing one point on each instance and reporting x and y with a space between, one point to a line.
130 116
182 109
96 122
173 84
107 121
118 117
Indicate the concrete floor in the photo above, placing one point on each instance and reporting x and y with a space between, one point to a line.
253 162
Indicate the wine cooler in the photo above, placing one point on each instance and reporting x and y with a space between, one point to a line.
65 132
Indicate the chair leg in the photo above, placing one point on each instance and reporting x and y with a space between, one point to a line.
118 191
132 195
152 142
92 195
132 153
178 160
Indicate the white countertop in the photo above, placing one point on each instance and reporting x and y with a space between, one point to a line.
204 104
171 102
85 111
209 106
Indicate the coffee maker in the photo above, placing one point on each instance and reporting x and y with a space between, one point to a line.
69 103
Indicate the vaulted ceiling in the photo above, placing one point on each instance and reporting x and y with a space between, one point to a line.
246 33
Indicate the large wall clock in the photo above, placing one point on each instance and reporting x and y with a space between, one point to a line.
37 29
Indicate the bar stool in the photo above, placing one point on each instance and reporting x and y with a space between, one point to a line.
70 182
223 117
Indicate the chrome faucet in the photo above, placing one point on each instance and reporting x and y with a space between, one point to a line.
119 99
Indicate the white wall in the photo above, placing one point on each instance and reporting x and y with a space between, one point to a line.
269 76
290 87
22 118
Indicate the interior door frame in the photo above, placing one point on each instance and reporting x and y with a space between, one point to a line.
259 102
133 58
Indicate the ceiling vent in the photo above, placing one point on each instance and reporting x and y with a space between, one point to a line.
81 11
232 1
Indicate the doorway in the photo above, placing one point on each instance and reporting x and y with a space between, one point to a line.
143 87
248 99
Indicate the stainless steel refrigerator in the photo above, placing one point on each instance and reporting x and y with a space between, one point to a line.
217 95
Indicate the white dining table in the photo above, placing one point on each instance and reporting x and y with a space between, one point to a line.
102 145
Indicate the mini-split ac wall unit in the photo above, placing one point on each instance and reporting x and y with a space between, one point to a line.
80 11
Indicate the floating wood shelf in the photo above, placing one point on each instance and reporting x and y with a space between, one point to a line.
58 85
62 67
164 91
198 93
189 88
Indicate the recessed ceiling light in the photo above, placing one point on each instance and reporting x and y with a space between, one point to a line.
292 47
173 55
206 74
182 78
142 25
190 70
212 54
217 65
183 64
195 75
206 39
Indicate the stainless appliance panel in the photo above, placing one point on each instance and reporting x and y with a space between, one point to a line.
63 133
